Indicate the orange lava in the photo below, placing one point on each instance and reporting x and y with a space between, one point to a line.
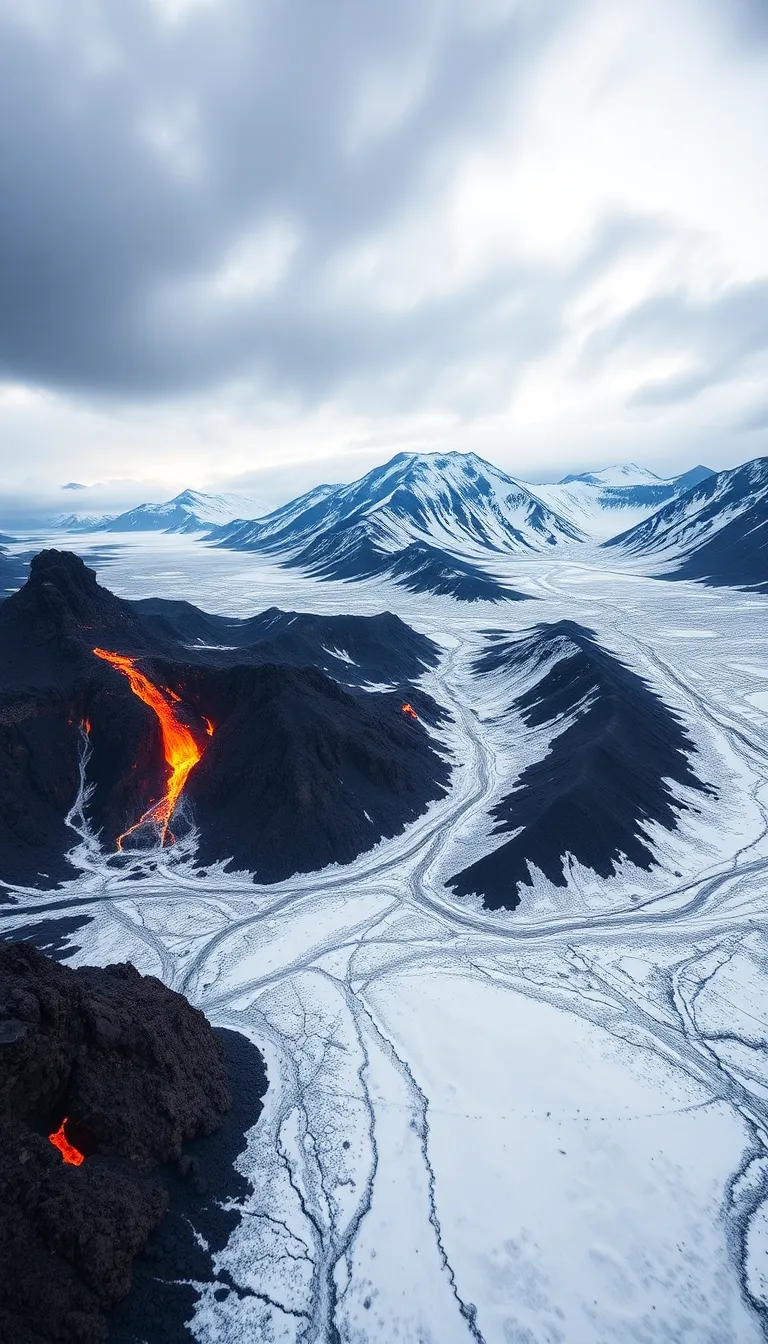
410 711
181 750
68 1152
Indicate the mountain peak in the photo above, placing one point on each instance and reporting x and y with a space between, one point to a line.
53 622
621 473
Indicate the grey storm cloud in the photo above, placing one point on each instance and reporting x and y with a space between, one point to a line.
135 152
720 335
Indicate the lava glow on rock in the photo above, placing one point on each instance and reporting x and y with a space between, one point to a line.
180 747
67 1150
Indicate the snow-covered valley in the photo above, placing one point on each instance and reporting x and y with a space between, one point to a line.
524 1127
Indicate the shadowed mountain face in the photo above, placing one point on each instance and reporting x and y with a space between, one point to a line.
350 553
607 773
289 742
716 533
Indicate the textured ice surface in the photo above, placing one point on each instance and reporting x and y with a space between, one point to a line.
546 1127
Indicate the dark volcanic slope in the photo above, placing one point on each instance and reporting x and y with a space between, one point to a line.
605 775
289 743
350 552
203 1192
49 682
134 1071
302 773
717 532
352 649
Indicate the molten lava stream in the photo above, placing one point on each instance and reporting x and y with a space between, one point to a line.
67 1150
180 748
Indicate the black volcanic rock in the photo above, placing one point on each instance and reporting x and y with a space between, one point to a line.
352 649
605 775
49 628
50 682
301 773
330 754
136 1071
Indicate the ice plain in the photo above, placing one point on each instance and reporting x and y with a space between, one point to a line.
525 1128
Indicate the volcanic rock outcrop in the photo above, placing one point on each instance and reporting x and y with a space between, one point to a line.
608 771
124 1071
277 738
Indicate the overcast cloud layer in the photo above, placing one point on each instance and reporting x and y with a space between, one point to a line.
278 241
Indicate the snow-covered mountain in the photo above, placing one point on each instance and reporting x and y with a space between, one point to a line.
191 511
717 532
621 474
76 522
603 503
451 500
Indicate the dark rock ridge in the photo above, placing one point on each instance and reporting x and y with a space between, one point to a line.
606 774
136 1071
716 533
280 727
350 553
302 773
354 650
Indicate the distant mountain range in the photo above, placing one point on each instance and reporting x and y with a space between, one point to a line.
444 499
191 511
431 522
716 532
603 503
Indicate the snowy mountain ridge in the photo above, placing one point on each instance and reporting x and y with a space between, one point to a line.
605 502
189 511
452 500
718 531
621 473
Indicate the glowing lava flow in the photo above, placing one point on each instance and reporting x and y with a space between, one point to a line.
180 749
410 711
68 1152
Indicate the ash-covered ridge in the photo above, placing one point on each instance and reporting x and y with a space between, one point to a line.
282 726
610 770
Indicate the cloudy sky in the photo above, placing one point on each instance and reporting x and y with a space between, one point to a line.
274 241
